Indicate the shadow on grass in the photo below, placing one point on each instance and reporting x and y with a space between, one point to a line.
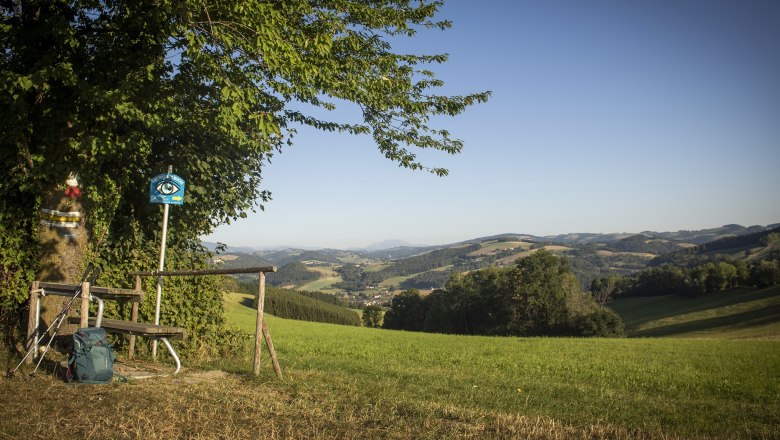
638 311
248 302
752 318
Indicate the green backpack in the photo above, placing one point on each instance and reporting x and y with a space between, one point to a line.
92 360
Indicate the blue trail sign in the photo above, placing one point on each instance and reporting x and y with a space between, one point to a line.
167 188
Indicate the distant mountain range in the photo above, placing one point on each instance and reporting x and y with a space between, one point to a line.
372 273
394 249
402 249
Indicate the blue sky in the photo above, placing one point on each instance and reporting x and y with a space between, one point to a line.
606 116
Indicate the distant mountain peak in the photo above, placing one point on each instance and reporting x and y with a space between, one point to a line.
386 244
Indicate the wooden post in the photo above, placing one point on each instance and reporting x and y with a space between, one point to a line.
259 324
84 305
32 323
134 318
271 350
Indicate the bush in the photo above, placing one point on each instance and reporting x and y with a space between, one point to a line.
600 322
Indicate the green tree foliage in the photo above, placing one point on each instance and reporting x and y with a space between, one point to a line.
407 311
432 279
482 302
116 91
292 273
697 280
351 278
372 316
539 296
544 284
194 303
292 305
765 273
603 288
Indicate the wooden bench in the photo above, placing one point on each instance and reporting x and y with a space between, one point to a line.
132 327
136 328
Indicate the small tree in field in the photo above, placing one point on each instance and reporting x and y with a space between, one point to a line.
372 316
602 289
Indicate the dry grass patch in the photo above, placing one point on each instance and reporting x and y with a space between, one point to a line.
218 405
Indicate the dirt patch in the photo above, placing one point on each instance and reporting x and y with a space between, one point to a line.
203 376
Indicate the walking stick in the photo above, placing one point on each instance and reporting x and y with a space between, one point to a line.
90 275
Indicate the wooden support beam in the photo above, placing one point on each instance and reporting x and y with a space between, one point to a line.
179 273
259 324
271 350
134 318
32 322
84 305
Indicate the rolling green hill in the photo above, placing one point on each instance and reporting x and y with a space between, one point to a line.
749 247
375 275
292 305
734 314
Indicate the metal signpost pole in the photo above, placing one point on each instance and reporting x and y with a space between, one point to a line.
161 268
159 278
166 189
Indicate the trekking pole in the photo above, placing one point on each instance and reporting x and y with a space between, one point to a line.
90 275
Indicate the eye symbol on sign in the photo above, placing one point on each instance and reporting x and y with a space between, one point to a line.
166 188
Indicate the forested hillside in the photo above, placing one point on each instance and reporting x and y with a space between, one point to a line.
292 274
538 297
371 277
748 247
303 306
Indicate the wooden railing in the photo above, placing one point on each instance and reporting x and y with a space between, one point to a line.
260 329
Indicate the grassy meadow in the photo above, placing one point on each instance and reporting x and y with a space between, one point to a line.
734 314
679 387
348 382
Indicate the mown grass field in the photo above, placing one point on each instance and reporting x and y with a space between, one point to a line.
347 382
734 314
324 284
679 387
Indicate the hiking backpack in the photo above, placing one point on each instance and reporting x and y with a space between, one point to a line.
92 360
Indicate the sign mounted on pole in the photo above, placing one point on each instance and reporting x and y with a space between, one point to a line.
167 189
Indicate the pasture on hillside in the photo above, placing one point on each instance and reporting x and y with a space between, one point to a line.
349 382
672 386
732 314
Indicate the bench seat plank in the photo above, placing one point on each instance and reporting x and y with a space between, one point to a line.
114 293
137 328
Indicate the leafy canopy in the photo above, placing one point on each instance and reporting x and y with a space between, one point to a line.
115 91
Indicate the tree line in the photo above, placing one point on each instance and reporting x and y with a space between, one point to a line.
689 281
292 273
539 296
303 306
288 304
